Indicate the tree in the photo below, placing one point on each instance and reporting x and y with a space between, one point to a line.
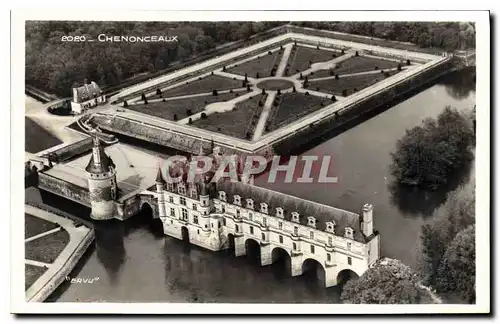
457 214
357 54
125 103
457 272
175 117
399 67
214 92
143 97
158 92
388 282
333 98
278 92
427 155
248 88
263 91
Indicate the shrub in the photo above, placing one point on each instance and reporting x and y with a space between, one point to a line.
143 96
158 92
175 117
125 103
357 54
388 282
257 75
301 76
294 90
224 68
334 98
190 121
270 53
399 67
307 93
376 67
317 88
248 88
382 71
203 115
145 102
260 104
231 91
278 92
408 62
189 112
336 76
164 100
331 72
212 73
214 93
263 91
344 93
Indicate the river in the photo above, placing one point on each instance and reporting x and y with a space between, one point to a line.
135 265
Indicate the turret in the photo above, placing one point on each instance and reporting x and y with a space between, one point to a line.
159 190
367 222
101 177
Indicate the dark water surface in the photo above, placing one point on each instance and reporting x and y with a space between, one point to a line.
135 265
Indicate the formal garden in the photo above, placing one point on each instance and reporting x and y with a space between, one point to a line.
239 122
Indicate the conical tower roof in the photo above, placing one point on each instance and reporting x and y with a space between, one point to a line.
99 162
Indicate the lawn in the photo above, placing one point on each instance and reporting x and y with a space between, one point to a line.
262 65
34 225
37 138
31 274
302 57
350 84
293 106
240 122
361 64
47 248
205 85
179 107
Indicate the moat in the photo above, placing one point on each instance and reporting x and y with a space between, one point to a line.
164 269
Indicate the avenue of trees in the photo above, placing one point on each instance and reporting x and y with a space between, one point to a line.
446 35
54 65
427 155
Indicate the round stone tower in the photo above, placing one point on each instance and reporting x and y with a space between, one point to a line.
101 176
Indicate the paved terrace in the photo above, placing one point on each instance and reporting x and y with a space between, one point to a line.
136 170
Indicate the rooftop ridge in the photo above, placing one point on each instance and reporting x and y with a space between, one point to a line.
297 198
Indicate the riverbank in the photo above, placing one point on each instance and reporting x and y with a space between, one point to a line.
51 254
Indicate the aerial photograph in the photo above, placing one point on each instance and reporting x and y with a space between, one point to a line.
291 162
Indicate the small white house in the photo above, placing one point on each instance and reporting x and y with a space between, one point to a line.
86 96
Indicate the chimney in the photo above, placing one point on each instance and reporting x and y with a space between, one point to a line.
75 95
367 222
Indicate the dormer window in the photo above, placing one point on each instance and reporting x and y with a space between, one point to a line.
249 203
349 232
170 186
263 208
222 195
181 189
237 200
194 193
311 221
279 212
330 227
295 217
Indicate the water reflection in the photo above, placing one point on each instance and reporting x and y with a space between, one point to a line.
414 201
109 247
460 84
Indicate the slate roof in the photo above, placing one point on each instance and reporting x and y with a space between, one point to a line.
87 92
104 166
305 208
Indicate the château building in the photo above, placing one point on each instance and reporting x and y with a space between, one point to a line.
225 214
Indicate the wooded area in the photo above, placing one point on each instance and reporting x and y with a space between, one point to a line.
55 66
446 35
